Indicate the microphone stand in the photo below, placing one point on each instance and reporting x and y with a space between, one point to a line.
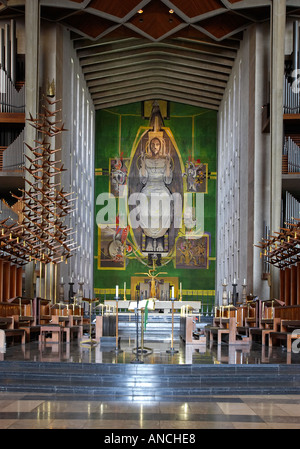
172 350
137 360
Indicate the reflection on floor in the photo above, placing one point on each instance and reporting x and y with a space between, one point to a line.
153 353
42 410
45 411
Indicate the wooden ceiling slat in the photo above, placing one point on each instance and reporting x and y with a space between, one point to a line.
158 64
161 83
88 24
155 58
162 94
156 20
194 8
225 24
139 44
90 64
146 75
117 8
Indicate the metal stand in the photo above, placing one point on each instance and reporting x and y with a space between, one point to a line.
71 293
137 360
90 341
172 350
244 293
117 349
234 294
224 295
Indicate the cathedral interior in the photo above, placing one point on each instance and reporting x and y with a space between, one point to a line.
150 202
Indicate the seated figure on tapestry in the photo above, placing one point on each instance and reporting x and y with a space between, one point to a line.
155 174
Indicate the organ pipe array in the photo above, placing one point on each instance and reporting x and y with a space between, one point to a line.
13 156
291 88
292 152
12 99
292 208
291 97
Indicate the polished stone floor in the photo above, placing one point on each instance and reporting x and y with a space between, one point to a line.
46 411
20 410
154 352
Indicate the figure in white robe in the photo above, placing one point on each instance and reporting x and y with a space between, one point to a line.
156 174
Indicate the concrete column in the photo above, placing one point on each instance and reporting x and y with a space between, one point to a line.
278 20
32 37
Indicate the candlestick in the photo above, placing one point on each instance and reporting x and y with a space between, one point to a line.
244 292
234 293
172 294
224 295
172 350
229 298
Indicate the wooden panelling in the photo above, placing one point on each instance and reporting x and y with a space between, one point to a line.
10 280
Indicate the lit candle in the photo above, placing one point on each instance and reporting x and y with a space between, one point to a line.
124 287
180 289
117 291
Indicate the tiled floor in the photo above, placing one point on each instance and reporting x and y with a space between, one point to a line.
43 411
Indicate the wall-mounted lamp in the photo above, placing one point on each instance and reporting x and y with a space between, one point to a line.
51 89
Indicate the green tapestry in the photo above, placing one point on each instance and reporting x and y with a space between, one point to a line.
184 166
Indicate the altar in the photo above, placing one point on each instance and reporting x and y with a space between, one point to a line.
164 306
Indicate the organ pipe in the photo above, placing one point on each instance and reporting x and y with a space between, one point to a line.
292 151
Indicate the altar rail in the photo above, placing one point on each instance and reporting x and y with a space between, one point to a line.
165 306
205 297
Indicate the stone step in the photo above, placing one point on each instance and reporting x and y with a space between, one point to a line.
134 380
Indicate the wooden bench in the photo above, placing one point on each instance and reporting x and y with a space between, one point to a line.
289 325
69 332
16 333
262 333
6 322
71 325
286 336
230 330
216 331
50 333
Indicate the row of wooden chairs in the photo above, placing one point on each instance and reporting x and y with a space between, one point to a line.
268 321
30 319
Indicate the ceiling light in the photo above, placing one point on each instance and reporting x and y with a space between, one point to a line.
140 11
171 11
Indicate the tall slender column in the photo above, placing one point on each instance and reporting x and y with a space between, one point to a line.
276 121
32 37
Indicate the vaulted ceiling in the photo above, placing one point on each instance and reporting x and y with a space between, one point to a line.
133 50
